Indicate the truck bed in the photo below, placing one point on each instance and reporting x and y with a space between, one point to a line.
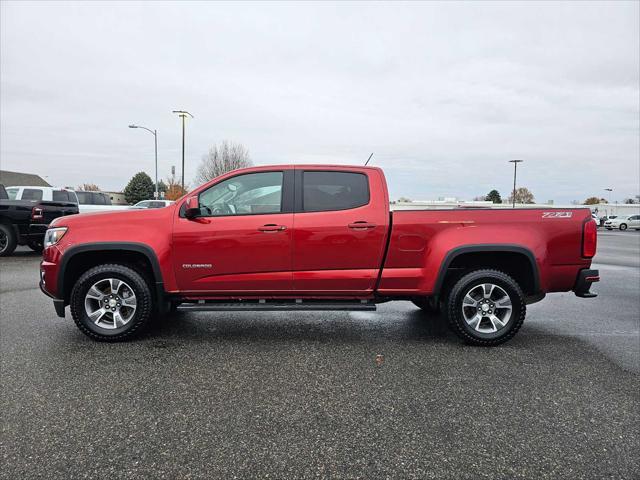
421 241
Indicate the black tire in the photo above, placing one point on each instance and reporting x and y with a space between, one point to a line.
623 226
454 308
36 245
8 240
427 304
141 316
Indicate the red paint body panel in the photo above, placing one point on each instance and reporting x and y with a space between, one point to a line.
554 242
330 257
317 254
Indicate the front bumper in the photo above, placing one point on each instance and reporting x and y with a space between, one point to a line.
58 304
586 277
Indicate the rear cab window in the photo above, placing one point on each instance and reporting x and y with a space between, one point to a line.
60 196
325 191
84 198
31 194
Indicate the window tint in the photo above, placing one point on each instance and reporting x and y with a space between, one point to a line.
156 204
249 194
60 196
84 198
12 192
31 194
98 199
324 191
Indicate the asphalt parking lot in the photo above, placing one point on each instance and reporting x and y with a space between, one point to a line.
300 395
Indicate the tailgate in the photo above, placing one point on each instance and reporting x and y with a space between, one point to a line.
53 210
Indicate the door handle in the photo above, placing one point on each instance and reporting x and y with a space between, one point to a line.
271 227
361 225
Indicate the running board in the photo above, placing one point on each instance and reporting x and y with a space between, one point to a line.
274 306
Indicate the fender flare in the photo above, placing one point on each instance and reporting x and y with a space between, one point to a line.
491 247
142 248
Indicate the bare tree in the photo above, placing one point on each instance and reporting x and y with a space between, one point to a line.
88 187
222 159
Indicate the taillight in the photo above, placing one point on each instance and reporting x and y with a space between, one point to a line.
37 213
589 238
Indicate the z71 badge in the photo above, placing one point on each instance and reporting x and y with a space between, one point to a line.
557 214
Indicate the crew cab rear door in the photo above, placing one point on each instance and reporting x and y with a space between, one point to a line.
340 228
241 241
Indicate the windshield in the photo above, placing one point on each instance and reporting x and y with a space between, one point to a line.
12 192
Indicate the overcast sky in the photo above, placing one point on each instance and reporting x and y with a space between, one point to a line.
443 93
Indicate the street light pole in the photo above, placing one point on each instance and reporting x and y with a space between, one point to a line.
609 198
183 114
515 172
155 143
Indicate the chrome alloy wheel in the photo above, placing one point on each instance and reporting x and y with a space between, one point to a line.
487 308
110 303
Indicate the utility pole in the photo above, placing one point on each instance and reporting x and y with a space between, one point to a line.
183 114
156 194
515 173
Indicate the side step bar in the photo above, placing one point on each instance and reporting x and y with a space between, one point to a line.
274 306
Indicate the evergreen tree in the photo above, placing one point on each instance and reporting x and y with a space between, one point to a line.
140 187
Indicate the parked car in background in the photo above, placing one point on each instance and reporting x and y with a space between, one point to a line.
623 222
96 202
46 194
152 204
24 222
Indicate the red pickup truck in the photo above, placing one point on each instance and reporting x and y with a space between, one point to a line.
316 237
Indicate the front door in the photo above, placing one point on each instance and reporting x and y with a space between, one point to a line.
241 241
341 222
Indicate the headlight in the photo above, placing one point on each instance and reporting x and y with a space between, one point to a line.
53 236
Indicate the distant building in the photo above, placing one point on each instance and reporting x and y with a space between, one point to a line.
117 198
8 178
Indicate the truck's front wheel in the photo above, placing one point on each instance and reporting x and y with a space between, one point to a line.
486 307
111 302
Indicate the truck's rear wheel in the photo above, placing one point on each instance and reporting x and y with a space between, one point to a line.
8 240
486 307
111 302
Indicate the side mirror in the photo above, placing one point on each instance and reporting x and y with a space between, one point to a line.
192 208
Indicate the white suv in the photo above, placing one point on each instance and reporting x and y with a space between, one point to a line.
623 222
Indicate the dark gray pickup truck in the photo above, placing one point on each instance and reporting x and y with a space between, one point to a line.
24 222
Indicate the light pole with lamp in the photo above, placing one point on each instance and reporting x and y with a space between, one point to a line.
156 194
183 114
515 171
608 197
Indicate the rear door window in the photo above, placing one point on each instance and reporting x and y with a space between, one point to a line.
31 194
325 191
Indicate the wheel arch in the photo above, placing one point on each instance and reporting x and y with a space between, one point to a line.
80 258
516 260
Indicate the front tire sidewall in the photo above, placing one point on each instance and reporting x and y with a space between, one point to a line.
125 274
463 329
